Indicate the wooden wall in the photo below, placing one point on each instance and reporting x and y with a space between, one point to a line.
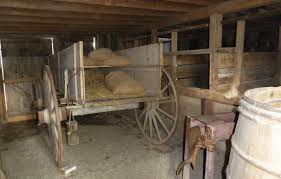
258 70
23 61
191 70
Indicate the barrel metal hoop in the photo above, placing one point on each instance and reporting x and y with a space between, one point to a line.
257 119
257 163
264 114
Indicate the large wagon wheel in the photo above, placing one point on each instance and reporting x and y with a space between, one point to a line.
52 116
157 120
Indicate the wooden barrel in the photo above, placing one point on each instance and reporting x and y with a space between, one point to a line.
256 143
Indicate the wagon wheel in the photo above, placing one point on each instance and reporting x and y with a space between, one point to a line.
53 116
157 120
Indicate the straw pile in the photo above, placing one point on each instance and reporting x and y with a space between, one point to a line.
105 57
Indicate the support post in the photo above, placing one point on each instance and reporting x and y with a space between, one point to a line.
240 36
154 36
174 48
136 43
108 41
215 41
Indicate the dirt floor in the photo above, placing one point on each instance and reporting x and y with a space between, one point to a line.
110 147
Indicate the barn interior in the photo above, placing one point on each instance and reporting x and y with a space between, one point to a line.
193 60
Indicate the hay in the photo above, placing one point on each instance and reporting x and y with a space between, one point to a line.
121 83
95 87
105 57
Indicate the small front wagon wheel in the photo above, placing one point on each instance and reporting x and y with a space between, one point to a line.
157 120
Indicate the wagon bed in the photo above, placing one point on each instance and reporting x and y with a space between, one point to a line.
65 93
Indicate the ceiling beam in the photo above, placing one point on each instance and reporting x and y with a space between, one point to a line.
74 15
78 7
158 5
197 2
223 8
58 20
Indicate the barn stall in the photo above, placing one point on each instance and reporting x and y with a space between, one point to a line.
209 54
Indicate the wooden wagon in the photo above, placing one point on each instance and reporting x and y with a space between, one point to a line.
66 93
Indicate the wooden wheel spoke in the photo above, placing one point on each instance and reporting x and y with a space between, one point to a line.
141 115
160 121
164 89
156 126
145 122
165 113
150 125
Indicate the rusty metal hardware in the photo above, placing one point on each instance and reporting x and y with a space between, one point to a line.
196 141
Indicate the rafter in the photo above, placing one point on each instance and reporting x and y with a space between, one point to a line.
158 5
223 8
75 15
58 20
78 7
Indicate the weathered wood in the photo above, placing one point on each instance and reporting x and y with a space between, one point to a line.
208 94
72 7
245 85
203 51
223 8
186 59
215 41
174 48
21 117
240 36
136 43
157 5
226 60
185 28
154 38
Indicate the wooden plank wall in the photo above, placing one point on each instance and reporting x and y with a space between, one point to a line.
258 70
22 75
191 70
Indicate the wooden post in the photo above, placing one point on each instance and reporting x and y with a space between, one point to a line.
136 43
174 48
154 36
108 41
240 36
215 41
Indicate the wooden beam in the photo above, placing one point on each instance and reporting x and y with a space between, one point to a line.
75 15
79 7
198 2
185 28
206 94
157 5
21 117
222 8
59 20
